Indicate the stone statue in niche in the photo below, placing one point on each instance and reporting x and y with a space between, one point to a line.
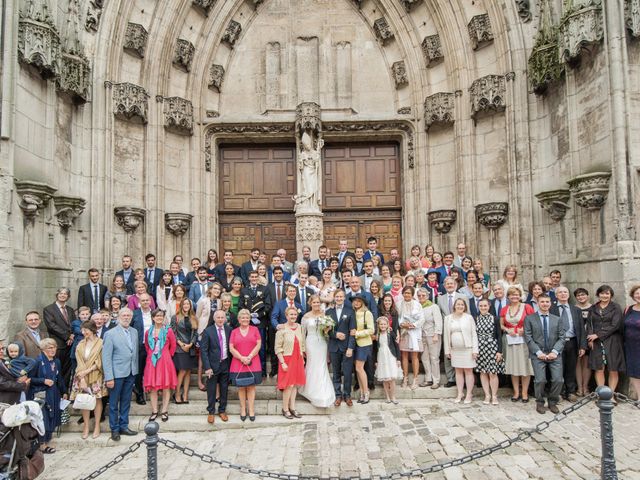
309 157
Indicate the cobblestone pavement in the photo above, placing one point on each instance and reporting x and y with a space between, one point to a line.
379 439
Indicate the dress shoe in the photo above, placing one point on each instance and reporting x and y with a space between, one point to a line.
211 418
449 384
128 432
338 402
295 414
572 397
554 409
435 386
223 416
115 436
426 384
540 408
141 401
349 402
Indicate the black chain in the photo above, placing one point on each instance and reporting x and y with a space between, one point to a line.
625 399
523 435
120 457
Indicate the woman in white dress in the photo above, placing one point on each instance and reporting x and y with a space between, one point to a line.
327 289
319 388
410 320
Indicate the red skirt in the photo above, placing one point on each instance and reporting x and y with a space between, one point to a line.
294 376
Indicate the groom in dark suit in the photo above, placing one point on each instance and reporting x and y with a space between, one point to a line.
544 334
341 347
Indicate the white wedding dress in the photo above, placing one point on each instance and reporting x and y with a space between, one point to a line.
319 387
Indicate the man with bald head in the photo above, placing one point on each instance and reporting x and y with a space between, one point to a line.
214 351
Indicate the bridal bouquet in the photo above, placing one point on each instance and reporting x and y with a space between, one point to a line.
324 322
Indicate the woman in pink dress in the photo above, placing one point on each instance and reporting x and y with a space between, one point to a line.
246 369
159 371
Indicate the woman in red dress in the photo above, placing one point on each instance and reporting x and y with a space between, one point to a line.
289 347
159 371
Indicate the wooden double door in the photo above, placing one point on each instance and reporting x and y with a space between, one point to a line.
361 196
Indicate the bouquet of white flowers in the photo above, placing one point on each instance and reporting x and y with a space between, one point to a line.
325 325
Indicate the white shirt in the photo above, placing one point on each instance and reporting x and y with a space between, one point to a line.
220 330
146 320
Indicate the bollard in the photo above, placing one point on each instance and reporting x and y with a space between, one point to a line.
152 429
608 469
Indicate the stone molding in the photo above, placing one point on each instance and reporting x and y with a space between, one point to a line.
38 40
216 76
439 109
399 71
94 12
488 95
177 223
524 10
480 31
404 111
382 30
590 190
183 54
231 33
632 17
34 197
129 218
432 50
492 215
135 39
129 101
554 202
204 6
178 115
75 76
581 27
442 220
68 209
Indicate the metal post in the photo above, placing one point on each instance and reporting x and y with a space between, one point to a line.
608 469
151 429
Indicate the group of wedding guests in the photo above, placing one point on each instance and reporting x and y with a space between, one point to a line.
373 321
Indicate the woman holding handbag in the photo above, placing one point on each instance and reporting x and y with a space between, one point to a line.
245 369
185 328
88 381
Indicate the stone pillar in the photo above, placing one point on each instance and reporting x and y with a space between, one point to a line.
129 218
492 215
177 224
308 199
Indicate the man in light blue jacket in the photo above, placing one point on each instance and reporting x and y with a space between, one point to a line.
120 364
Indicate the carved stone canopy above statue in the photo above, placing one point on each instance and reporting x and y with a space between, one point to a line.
582 26
177 223
34 197
492 215
216 75
632 17
129 218
231 33
68 209
488 94
308 117
554 202
38 40
75 77
178 115
183 54
432 50
382 30
399 71
204 5
439 109
442 220
135 39
591 189
129 101
480 31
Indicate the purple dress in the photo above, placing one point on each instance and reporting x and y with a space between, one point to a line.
632 342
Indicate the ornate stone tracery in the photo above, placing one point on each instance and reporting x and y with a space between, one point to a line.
183 54
129 101
432 50
554 202
135 39
231 33
38 40
178 115
442 220
492 215
74 77
580 28
382 30
177 223
439 109
590 190
480 31
632 17
399 71
545 67
216 75
488 94
129 218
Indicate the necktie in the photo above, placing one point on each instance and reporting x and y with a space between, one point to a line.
96 306
448 270
291 303
152 275
341 256
477 303
63 310
128 334
545 324
279 291
564 317
302 299
223 353
202 285
450 303
322 265
36 335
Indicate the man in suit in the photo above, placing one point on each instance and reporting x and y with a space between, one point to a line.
275 290
555 276
447 265
446 302
306 256
199 288
346 281
343 252
227 257
548 286
477 288
30 337
342 344
499 300
356 289
286 265
367 276
141 321
461 250
276 262
120 365
152 274
177 275
100 320
216 359
254 298
127 272
544 335
11 387
359 258
394 255
278 319
317 266
192 276
575 344
372 243
250 265
303 292
92 294
57 318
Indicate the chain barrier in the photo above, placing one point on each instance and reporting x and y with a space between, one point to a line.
119 458
624 399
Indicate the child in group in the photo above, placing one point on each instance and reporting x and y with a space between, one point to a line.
387 355
84 313
18 364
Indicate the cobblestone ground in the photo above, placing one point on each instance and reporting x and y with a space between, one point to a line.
379 439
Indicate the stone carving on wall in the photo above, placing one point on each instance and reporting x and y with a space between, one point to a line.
231 33
492 215
204 5
68 209
408 4
488 94
358 3
480 31
129 218
399 72
632 17
74 77
135 39
94 12
438 109
34 197
382 30
178 115
581 27
129 101
216 75
432 50
442 220
177 223
591 189
309 228
38 39
309 154
524 10
545 67
404 111
554 202
183 54
257 3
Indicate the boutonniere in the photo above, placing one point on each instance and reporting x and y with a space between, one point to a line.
299 311
344 317
259 293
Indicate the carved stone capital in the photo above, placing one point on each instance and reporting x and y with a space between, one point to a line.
130 101
480 31
135 39
38 41
177 223
488 95
439 109
632 17
399 72
308 117
178 115
231 33
581 27
216 75
524 10
204 5
442 220
309 228
382 30
34 196
68 209
75 77
492 215
591 189
183 54
129 218
432 50
554 202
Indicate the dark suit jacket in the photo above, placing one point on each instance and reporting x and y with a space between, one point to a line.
278 316
346 254
493 309
367 256
129 283
255 302
153 286
344 324
138 323
443 273
210 349
534 334
393 346
372 305
245 269
472 308
286 276
270 295
219 270
27 340
307 293
578 324
56 325
85 297
314 267
190 278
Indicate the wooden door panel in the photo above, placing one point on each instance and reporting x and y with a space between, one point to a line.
385 226
241 233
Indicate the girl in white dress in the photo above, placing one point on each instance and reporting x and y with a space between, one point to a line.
387 360
319 388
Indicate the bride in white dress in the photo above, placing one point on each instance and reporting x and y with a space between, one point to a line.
319 388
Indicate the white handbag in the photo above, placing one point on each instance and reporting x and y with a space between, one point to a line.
84 401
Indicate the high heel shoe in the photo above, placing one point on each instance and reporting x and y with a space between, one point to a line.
361 399
457 400
366 398
405 382
153 416
414 385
